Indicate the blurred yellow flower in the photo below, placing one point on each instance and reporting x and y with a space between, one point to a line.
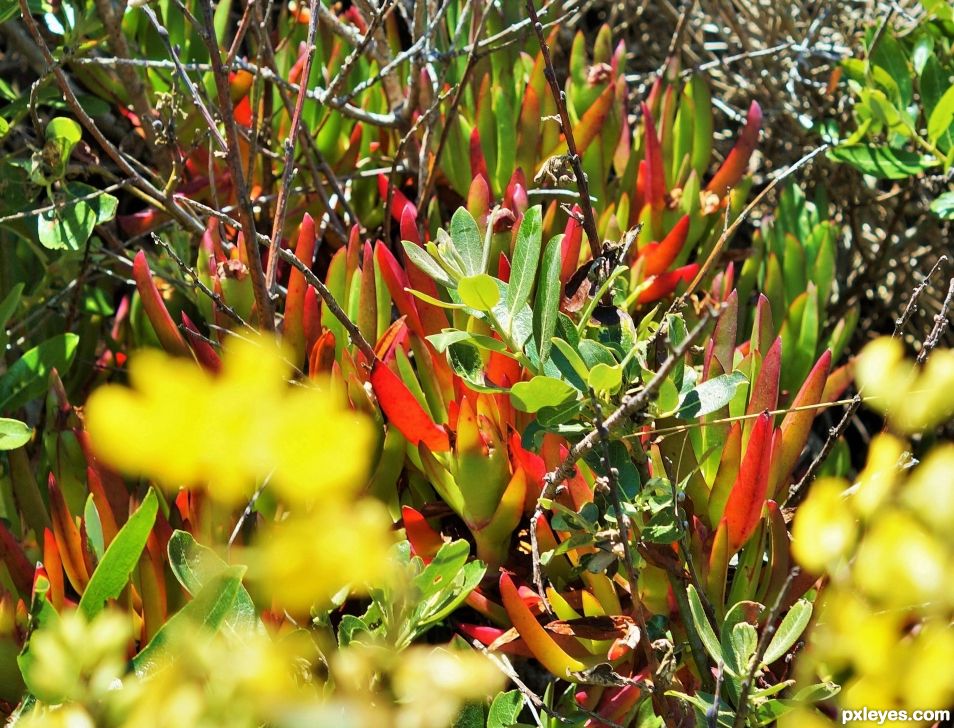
912 399
72 659
183 426
928 491
900 564
825 527
880 475
308 557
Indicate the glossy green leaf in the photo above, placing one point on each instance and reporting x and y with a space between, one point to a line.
94 528
943 206
28 376
112 573
71 221
883 162
208 610
942 116
889 55
702 625
605 378
9 305
63 134
541 391
13 433
419 257
194 565
710 396
505 709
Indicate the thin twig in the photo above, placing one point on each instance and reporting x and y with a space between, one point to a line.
622 525
797 492
425 193
163 34
197 283
247 215
559 97
941 323
912 304
289 257
145 189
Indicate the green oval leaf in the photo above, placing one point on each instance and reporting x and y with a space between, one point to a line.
14 434
194 566
546 305
479 291
28 376
883 162
605 378
710 396
541 391
789 630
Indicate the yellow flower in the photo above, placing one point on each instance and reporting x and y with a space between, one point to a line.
928 490
308 557
900 564
825 528
881 474
912 399
182 426
73 659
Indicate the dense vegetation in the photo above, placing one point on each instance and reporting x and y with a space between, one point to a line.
459 363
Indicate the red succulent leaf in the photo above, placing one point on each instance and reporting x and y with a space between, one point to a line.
68 539
655 174
736 164
399 202
798 422
657 257
311 320
665 283
405 412
408 226
204 353
478 164
743 509
18 565
297 286
504 640
397 282
155 308
425 541
503 267
322 356
570 245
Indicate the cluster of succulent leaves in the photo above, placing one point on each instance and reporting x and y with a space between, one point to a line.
398 495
